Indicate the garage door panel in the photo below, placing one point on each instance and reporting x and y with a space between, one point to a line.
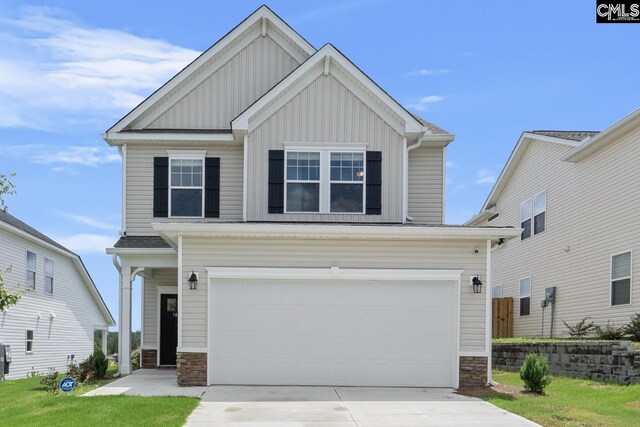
332 333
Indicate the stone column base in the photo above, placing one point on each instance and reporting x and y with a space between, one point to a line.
191 368
473 371
149 359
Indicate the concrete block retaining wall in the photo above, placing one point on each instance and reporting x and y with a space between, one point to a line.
608 361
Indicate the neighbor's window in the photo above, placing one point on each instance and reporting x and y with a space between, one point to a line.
48 275
187 188
525 296
525 219
496 291
621 278
31 270
347 182
29 341
303 181
539 212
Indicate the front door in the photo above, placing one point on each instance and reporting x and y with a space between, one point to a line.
168 328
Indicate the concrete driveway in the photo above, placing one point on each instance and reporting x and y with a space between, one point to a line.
243 406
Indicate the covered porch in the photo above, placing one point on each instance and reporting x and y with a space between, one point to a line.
150 263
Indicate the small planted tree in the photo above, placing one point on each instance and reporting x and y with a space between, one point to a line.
581 329
535 373
611 332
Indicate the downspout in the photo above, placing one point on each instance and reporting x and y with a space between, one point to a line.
405 196
244 178
122 150
114 259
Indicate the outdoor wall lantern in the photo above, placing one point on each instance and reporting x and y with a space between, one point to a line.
477 285
193 281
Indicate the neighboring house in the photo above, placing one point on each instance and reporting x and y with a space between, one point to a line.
576 196
55 322
309 205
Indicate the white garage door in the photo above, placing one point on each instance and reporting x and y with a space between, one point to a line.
332 332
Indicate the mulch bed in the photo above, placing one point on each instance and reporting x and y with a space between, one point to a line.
493 389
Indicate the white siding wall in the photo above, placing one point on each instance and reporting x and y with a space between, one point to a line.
592 210
140 184
77 313
325 112
426 185
199 253
160 277
231 88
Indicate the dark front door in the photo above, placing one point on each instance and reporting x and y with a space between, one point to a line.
168 328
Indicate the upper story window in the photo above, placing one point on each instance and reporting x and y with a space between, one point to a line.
48 275
621 278
31 270
325 181
533 215
186 198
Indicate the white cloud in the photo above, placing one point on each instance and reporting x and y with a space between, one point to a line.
55 70
89 221
428 72
424 102
450 165
62 157
86 243
485 176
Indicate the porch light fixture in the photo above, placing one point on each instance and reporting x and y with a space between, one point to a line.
477 285
193 281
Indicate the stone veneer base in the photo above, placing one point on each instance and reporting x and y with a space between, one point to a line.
473 371
149 359
191 369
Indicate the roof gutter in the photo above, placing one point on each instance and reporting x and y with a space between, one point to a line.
481 216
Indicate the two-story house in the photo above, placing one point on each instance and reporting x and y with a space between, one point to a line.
576 197
61 313
286 217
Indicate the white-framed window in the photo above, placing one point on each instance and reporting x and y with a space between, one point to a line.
525 296
28 341
621 278
303 181
31 269
48 275
347 183
186 187
496 292
533 215
325 179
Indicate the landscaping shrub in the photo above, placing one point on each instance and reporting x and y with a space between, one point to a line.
93 367
580 329
135 359
610 332
633 328
50 381
100 364
535 373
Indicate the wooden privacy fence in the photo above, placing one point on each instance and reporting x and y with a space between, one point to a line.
502 309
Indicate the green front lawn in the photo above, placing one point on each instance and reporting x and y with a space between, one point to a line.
26 403
569 402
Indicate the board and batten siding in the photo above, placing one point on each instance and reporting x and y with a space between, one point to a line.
592 212
139 188
160 277
230 89
325 112
199 253
77 313
426 185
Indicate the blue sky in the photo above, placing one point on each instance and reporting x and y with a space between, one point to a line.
485 71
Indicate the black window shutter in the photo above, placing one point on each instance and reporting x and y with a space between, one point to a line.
212 187
160 187
276 181
374 183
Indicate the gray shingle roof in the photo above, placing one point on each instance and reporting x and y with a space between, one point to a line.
573 135
7 218
141 242
433 128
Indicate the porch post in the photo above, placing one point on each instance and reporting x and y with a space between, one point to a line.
105 334
124 328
